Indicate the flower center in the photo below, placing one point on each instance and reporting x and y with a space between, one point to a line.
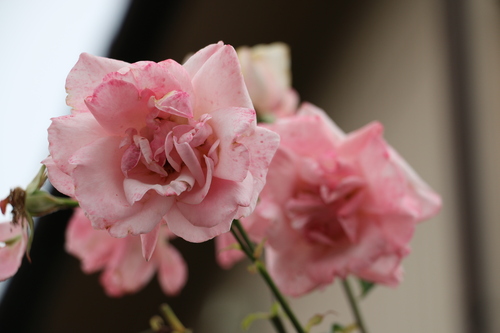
171 141
323 213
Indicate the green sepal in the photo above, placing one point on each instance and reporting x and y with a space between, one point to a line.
38 181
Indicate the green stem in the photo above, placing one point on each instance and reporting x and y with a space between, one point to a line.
70 203
279 297
244 235
354 306
240 241
248 247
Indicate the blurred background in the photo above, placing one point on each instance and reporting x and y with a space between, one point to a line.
428 70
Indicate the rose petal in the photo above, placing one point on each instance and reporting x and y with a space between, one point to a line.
261 146
99 189
172 270
198 193
197 60
59 179
386 270
127 271
183 228
177 103
11 254
221 203
428 202
135 189
219 83
161 78
117 105
85 76
149 241
92 247
295 134
282 177
191 161
230 126
67 134
333 130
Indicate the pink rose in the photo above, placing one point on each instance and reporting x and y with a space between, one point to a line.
266 69
348 204
124 269
150 143
13 242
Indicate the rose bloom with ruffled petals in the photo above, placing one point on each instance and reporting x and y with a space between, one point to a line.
124 269
150 143
338 204
13 240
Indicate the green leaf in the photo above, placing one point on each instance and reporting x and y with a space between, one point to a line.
275 309
248 321
366 287
337 328
234 246
315 320
156 323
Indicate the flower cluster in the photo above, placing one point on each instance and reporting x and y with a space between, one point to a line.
152 151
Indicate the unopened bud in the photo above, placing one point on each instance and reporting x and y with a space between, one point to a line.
39 203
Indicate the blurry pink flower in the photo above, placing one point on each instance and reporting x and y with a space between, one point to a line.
13 242
151 143
266 69
348 204
125 270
